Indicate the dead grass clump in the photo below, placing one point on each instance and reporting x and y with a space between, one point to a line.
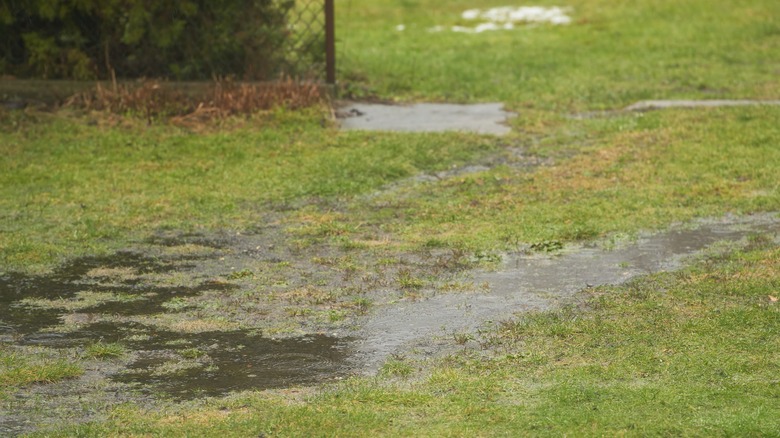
196 103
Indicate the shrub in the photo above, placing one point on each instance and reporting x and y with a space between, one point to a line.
186 39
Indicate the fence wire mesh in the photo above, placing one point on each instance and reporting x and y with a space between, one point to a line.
305 45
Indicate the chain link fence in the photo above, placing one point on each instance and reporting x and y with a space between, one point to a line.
309 49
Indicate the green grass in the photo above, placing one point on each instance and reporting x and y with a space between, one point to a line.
692 353
104 350
631 172
611 55
689 353
71 188
19 369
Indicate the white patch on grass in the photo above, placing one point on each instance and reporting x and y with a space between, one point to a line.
507 17
400 28
521 14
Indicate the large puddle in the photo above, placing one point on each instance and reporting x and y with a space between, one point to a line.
179 364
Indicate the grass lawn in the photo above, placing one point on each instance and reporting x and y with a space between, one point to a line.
688 353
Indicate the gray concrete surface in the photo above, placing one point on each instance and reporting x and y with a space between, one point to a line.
482 118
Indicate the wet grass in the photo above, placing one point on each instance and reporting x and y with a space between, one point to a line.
691 353
105 350
631 172
69 187
349 222
20 367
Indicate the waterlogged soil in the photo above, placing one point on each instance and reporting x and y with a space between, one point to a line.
541 281
199 315
203 315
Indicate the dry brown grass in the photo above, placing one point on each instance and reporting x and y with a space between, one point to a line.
191 104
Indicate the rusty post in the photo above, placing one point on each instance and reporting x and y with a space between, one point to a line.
330 43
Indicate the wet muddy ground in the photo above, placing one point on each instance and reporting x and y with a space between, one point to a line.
541 281
205 315
198 315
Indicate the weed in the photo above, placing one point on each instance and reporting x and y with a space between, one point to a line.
296 312
487 257
361 305
176 304
105 350
547 246
397 367
462 338
407 281
192 353
336 315
241 274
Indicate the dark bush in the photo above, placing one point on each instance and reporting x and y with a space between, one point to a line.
184 39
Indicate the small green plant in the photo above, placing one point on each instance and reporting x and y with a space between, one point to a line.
297 311
407 281
336 315
102 350
547 246
486 257
240 275
462 338
397 367
192 353
348 244
361 304
435 243
175 304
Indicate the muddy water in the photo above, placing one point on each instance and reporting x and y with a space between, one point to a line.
539 282
179 365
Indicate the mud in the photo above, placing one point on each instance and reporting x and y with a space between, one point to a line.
192 365
483 118
59 312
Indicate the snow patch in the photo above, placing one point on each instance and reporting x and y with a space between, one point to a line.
507 17
521 14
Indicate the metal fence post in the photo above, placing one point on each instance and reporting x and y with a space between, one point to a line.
330 43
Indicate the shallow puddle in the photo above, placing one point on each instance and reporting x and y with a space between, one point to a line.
648 105
162 362
115 275
539 282
235 361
